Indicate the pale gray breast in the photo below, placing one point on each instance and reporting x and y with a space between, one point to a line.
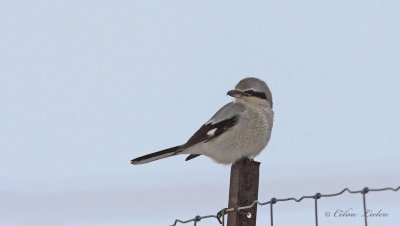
259 125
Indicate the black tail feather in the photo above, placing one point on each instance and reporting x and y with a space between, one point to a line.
156 155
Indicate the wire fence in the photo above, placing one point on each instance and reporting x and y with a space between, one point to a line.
220 216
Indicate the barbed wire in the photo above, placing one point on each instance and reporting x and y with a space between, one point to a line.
220 216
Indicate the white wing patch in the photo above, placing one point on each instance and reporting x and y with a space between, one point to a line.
211 132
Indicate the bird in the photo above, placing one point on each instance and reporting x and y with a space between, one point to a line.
240 129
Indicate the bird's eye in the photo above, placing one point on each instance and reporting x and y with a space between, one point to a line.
250 92
256 94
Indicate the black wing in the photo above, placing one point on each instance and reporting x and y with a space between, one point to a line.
208 132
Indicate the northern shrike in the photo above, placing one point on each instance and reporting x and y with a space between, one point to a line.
241 128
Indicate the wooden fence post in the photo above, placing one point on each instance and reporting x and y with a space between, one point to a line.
243 191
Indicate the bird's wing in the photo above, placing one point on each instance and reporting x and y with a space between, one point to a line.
226 118
227 111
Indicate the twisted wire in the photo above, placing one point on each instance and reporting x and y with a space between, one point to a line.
220 216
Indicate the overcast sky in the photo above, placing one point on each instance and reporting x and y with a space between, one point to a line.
85 86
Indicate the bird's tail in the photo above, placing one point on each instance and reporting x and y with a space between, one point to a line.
156 155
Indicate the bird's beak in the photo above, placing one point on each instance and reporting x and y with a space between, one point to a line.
235 93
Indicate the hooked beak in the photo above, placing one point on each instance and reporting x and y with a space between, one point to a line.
235 93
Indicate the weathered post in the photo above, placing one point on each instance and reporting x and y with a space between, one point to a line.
243 191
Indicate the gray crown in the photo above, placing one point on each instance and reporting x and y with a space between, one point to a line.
255 84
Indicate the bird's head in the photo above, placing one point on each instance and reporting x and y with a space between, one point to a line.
252 90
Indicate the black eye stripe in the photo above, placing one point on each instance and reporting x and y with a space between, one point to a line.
256 94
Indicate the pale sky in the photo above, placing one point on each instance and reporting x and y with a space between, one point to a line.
85 86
